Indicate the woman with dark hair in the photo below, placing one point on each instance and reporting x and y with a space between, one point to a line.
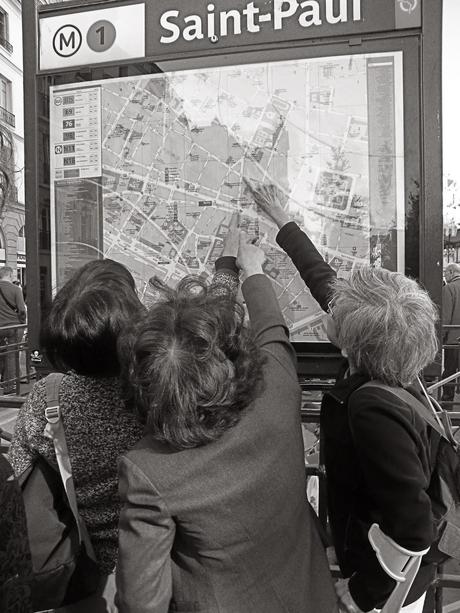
215 515
80 337
376 446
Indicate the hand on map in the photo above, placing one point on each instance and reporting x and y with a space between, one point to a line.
250 257
232 240
271 200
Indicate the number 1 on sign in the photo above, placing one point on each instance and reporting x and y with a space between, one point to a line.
101 35
101 32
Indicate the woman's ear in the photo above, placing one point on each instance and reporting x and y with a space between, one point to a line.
331 329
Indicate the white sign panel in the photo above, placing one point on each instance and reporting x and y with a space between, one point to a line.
92 37
75 124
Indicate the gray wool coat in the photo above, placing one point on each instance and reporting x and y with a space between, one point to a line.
226 527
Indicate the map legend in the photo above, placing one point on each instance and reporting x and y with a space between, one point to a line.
75 125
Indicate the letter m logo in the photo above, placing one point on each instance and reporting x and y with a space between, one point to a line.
67 41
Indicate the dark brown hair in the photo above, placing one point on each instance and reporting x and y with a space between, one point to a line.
192 365
87 316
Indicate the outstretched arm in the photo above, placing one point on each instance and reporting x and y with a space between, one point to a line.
316 273
267 321
226 278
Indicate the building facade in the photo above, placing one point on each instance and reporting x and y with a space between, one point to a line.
12 202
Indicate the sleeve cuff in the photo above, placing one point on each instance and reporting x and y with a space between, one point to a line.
364 598
285 231
227 263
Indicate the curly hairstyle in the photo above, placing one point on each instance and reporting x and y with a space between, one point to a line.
191 364
386 323
86 317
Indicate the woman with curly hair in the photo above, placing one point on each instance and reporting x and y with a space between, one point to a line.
215 515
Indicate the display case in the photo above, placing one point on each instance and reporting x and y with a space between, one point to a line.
151 115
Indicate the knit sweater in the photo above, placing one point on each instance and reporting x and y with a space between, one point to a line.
98 430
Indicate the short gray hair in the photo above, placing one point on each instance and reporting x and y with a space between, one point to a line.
453 267
386 324
5 271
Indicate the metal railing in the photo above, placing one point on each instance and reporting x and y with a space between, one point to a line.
14 359
7 117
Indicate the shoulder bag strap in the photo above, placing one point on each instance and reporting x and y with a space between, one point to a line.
425 413
441 415
8 303
54 430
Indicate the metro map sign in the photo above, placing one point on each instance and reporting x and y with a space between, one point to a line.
162 28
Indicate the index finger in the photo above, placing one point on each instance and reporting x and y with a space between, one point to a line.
244 238
248 185
234 221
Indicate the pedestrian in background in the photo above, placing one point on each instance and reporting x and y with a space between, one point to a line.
451 316
12 313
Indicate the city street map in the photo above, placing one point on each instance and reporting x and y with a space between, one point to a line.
149 170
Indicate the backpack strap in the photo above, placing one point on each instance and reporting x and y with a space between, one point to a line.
424 412
54 430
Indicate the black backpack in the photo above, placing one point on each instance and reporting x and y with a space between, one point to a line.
444 487
64 566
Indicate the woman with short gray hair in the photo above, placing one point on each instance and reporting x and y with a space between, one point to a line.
376 446
385 323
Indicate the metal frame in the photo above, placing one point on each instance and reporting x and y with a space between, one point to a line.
314 360
31 156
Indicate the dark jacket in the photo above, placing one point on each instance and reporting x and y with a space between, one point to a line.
15 561
226 526
451 309
98 430
377 467
12 307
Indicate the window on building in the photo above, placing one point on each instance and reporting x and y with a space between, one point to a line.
6 144
5 102
4 31
4 186
21 247
2 249
5 93
3 24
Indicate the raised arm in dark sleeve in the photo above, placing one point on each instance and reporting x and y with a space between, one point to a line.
316 273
